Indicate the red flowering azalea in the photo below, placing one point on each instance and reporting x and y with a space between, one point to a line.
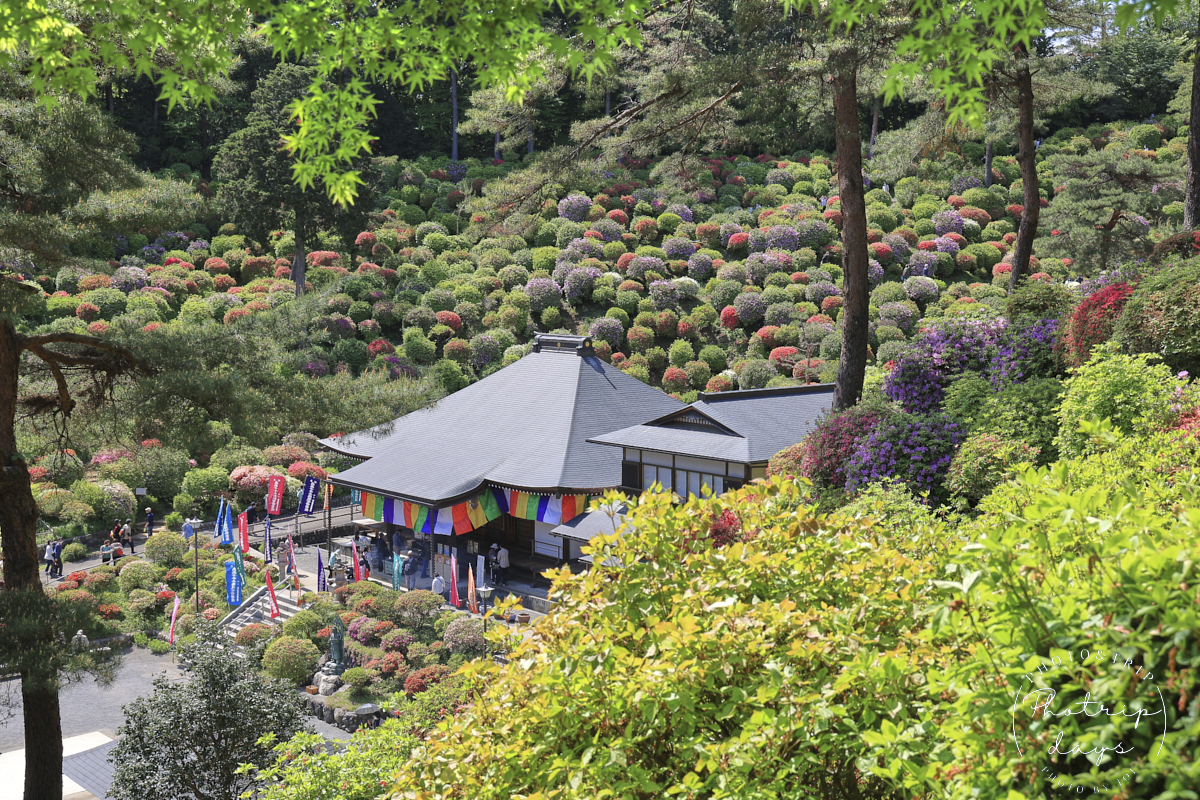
1093 320
450 320
305 469
172 260
738 241
98 328
149 443
928 244
380 347
729 317
767 334
882 253
956 201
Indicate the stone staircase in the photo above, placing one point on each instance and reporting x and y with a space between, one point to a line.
257 608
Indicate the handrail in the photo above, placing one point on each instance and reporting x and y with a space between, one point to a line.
257 595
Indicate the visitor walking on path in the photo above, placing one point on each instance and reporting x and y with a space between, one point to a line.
502 562
410 571
149 523
127 534
48 556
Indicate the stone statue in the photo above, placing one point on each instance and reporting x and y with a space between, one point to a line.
337 648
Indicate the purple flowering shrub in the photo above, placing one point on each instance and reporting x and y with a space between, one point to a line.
921 290
682 211
916 450
814 233
750 308
315 369
577 287
1026 350
914 384
130 279
757 243
678 248
575 207
639 266
610 230
875 273
759 266
700 267
729 229
944 351
607 329
949 221
836 437
963 181
542 293
783 237
485 350
817 291
945 244
922 262
665 294
901 249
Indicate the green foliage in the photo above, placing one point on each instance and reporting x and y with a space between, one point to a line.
290 659
138 574
189 737
1163 316
984 461
166 548
75 551
1132 392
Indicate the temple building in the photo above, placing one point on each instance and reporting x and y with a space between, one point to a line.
516 458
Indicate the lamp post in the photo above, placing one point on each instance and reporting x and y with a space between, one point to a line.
195 558
485 594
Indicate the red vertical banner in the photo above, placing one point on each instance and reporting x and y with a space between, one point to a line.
358 576
244 530
454 598
174 613
276 486
271 595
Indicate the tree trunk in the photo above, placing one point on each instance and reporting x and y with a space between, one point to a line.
987 165
18 538
852 365
530 151
298 264
108 97
496 147
453 115
1027 159
1191 198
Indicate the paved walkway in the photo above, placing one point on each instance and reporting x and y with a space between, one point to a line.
91 715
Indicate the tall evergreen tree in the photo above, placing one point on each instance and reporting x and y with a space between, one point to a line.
256 172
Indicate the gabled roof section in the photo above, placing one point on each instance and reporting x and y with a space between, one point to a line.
525 426
746 426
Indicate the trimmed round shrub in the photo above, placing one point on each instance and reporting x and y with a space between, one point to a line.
304 625
254 634
137 575
464 635
166 548
756 374
291 659
75 551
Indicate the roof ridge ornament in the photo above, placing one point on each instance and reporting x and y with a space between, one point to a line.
563 343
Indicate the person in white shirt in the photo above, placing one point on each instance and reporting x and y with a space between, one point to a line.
439 586
48 556
502 563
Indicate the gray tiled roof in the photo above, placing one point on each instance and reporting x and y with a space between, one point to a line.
586 527
526 426
748 426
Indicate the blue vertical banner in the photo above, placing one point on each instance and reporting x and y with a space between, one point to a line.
225 526
267 547
220 514
321 584
233 585
355 496
308 495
